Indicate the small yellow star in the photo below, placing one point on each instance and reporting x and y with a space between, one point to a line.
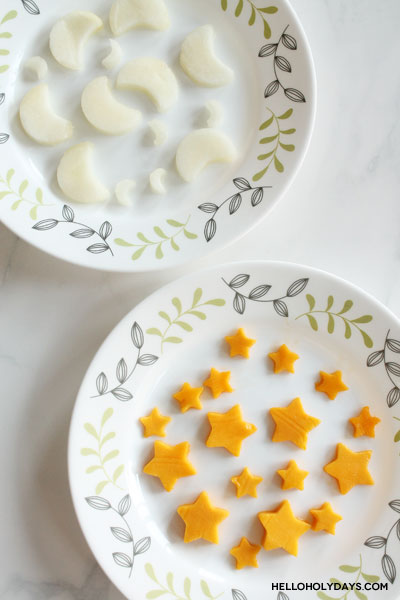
218 382
154 424
228 430
350 468
246 483
292 424
292 476
331 384
202 519
325 518
170 463
283 359
245 554
365 423
189 397
282 528
240 343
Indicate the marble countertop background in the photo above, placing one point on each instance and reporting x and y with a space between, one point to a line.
342 214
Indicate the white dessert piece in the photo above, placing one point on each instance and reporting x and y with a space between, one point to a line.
135 14
153 77
159 131
156 179
69 35
215 113
199 61
40 121
106 113
76 177
200 148
123 191
37 67
114 57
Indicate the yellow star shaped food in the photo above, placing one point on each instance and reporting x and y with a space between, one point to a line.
283 359
331 384
350 468
325 518
282 528
154 423
246 483
202 519
189 397
245 554
240 343
170 463
218 382
228 430
365 423
292 424
292 476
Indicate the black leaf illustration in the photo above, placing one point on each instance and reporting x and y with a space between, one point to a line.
294 95
283 64
376 541
97 248
267 50
239 281
257 197
393 397
282 596
297 287
208 207
393 368
142 546
238 595
393 345
122 371
102 383
375 358
398 530
82 233
259 292
68 214
239 303
122 394
395 505
146 360
105 230
210 229
122 560
289 41
137 336
281 308
271 88
2 98
121 534
45 225
124 505
235 203
4 137
388 567
242 184
31 7
98 502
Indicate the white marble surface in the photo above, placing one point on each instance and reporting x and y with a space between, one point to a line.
342 214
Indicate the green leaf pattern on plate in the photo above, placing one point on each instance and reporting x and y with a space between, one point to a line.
254 12
278 143
350 591
18 195
168 589
5 35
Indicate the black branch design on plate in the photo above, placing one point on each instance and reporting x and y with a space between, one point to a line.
31 7
281 65
238 595
258 294
392 368
82 233
122 534
122 373
377 541
235 203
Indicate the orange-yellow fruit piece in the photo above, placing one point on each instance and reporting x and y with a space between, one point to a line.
246 483
365 423
292 476
325 518
218 382
292 424
331 384
283 359
228 430
154 423
240 343
350 468
189 397
170 463
282 528
245 554
202 519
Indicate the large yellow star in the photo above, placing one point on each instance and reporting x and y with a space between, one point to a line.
331 384
228 430
154 423
218 382
170 463
292 476
350 468
202 519
240 343
364 423
325 518
246 483
245 554
282 528
189 397
292 424
283 359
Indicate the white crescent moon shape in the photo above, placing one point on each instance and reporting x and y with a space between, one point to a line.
69 35
76 176
201 148
135 14
157 181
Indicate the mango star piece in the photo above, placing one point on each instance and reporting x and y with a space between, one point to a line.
331 384
283 359
228 430
365 423
189 397
350 468
240 343
245 554
325 518
154 424
282 528
246 484
292 476
202 519
292 424
170 463
218 382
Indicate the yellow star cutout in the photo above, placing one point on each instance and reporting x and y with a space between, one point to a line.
283 359
282 528
365 423
350 468
245 554
331 384
246 483
154 424
202 519
170 463
240 343
292 424
292 476
325 518
189 397
218 382
228 430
